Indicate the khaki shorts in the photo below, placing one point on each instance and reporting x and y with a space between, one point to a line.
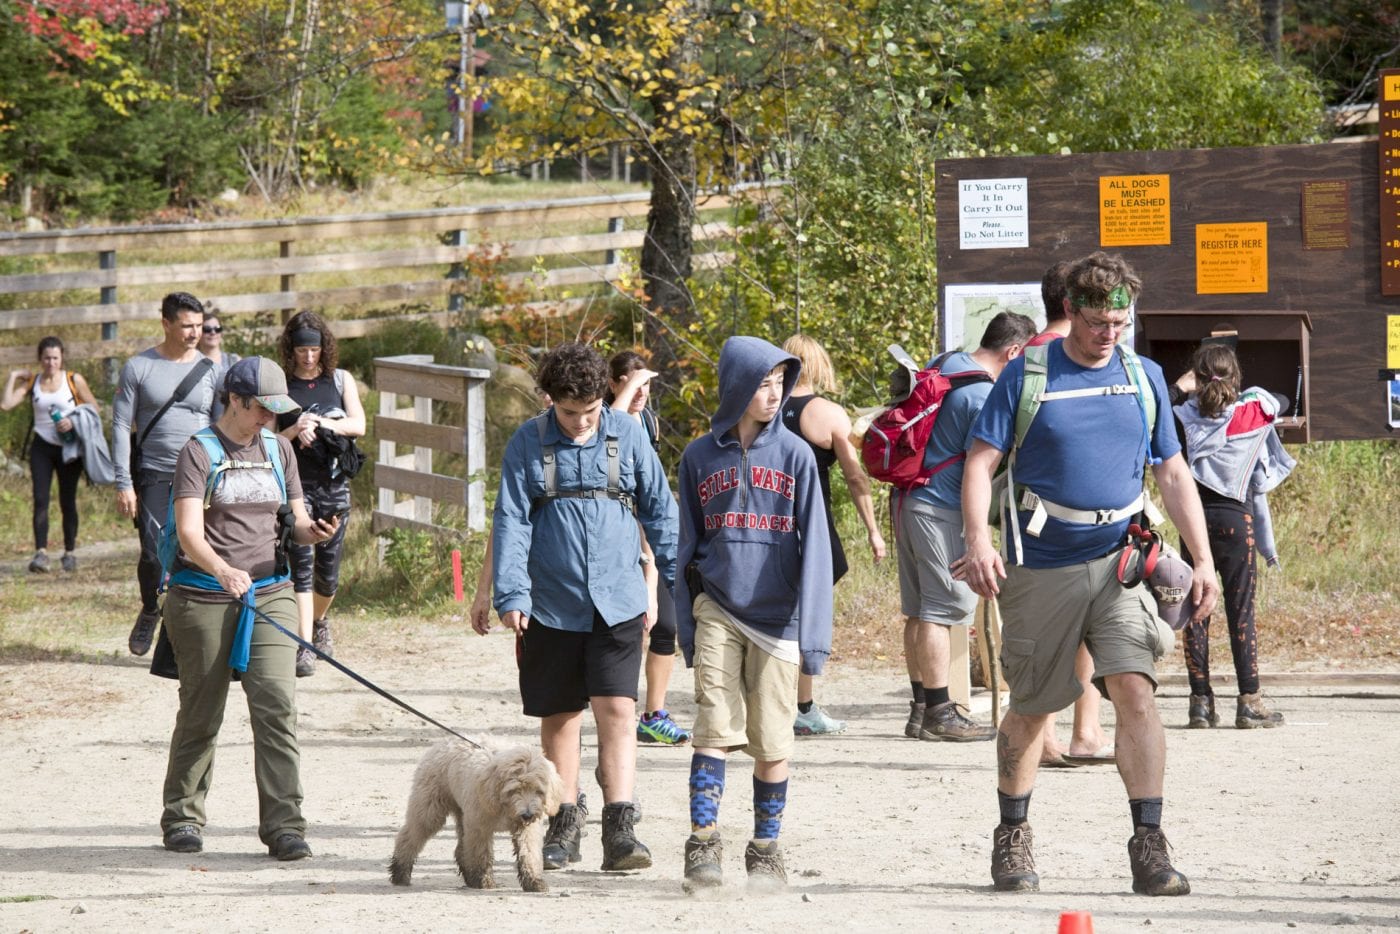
927 541
1047 612
747 698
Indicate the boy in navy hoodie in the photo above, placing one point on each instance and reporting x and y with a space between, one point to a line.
754 604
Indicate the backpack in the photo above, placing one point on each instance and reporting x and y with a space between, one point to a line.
168 543
33 390
893 447
551 474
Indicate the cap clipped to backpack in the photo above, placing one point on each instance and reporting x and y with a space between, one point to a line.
261 379
1170 583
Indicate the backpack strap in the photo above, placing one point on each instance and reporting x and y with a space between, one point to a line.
549 463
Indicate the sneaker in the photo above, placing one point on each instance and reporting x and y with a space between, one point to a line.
915 721
946 722
39 564
1152 868
321 637
816 722
144 632
289 846
69 562
562 839
764 864
1201 714
660 728
1013 866
621 848
306 662
1251 713
704 867
184 838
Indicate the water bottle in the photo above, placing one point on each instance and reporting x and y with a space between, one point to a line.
57 417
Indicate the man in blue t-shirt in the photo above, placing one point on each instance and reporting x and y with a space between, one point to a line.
929 537
1083 458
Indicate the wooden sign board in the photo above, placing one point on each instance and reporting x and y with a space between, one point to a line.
1315 275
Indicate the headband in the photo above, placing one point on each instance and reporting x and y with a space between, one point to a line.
1118 299
306 337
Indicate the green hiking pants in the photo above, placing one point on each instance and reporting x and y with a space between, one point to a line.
202 635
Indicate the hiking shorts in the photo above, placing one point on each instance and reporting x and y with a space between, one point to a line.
560 671
747 697
1047 612
928 540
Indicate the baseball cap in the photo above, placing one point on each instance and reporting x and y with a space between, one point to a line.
1170 584
261 379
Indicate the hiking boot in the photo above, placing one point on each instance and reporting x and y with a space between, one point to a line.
816 722
946 722
184 838
1201 714
1013 866
561 840
621 848
306 662
915 721
144 632
321 637
69 562
660 728
764 864
39 564
289 846
1152 868
1251 713
704 867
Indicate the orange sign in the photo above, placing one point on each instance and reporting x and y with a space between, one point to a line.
1135 210
1390 86
1232 258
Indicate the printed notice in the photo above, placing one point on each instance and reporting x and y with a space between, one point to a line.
993 214
1135 210
1392 342
1326 215
1232 258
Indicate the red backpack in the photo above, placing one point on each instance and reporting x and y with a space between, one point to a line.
893 448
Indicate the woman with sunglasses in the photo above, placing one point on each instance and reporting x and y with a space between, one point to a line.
211 344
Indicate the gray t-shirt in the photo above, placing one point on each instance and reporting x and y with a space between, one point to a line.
147 381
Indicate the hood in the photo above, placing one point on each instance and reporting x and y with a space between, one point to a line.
744 362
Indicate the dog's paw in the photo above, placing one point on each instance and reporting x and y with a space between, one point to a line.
533 884
400 874
479 880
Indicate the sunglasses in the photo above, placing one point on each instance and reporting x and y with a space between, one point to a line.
213 329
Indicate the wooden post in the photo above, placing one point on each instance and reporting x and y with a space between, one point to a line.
959 675
476 454
286 250
615 225
107 259
456 301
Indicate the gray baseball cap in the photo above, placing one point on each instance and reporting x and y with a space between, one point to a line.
259 378
1170 584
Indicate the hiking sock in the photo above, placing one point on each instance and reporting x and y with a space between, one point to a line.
935 696
1147 812
918 688
769 800
706 790
1014 808
805 706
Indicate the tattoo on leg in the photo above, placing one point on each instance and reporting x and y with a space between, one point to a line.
1007 758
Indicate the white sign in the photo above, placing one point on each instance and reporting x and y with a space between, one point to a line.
967 309
993 214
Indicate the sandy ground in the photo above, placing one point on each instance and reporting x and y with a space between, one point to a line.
1276 829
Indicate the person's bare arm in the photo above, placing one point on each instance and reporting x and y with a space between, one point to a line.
981 565
1183 504
832 422
480 612
85 396
13 395
353 424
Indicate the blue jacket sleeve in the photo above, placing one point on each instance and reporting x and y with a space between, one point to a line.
691 523
656 510
814 605
512 529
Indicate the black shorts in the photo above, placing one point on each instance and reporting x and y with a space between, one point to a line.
560 671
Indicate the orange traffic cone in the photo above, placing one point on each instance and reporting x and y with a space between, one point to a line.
1076 922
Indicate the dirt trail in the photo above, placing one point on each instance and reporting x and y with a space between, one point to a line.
1280 828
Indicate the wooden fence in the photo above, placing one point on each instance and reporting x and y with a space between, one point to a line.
578 240
419 380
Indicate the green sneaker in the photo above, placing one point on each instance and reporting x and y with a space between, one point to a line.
660 728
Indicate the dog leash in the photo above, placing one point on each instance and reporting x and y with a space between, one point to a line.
361 679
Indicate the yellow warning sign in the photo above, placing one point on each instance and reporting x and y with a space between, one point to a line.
1135 210
1392 342
1390 87
1232 258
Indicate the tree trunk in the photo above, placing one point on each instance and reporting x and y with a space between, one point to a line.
1271 17
667 249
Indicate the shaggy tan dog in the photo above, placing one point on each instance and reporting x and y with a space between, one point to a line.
497 787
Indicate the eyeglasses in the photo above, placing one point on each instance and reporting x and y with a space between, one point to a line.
1106 327
213 329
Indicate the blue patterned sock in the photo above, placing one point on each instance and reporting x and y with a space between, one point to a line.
769 800
706 790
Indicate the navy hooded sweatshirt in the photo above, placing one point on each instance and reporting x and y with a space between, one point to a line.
753 522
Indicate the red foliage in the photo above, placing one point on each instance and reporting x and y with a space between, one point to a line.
56 20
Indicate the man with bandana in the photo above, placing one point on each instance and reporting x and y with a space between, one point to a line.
1078 482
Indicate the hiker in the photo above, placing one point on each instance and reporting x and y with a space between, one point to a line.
629 388
230 524
331 417
211 344
164 395
1100 414
826 428
754 601
1236 458
929 536
54 394
576 483
1087 743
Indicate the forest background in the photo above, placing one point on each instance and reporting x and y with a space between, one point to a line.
129 111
